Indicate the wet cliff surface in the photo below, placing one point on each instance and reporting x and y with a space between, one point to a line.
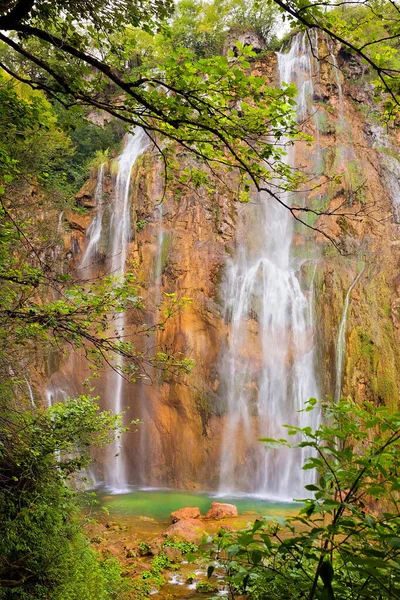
183 244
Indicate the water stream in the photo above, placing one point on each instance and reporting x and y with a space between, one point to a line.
268 309
93 233
341 340
30 393
120 232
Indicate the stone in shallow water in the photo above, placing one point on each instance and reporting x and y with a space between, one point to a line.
174 554
220 510
187 530
189 512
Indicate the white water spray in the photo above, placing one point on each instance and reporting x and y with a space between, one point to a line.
30 392
94 230
268 368
116 470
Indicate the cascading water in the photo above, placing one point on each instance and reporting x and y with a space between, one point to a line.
94 230
111 388
341 340
268 367
120 228
30 392
60 222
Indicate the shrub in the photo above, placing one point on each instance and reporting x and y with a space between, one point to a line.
344 544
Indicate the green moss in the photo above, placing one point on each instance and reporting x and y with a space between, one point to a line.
355 182
372 355
203 407
165 248
324 124
184 547
206 587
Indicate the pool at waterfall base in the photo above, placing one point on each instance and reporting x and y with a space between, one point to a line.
126 522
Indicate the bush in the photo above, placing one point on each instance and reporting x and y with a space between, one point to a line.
344 544
43 551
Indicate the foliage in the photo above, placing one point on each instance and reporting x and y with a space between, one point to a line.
344 544
184 547
212 107
158 565
42 550
370 31
32 146
203 27
91 143
140 225
206 587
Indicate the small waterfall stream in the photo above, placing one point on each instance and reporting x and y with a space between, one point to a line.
267 308
341 340
30 393
93 233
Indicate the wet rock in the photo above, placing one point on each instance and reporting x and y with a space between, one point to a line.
144 549
189 512
113 525
155 546
225 529
187 530
85 197
220 510
174 554
97 539
77 221
206 587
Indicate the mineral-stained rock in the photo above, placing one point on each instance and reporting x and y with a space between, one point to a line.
155 546
174 554
189 512
222 511
187 530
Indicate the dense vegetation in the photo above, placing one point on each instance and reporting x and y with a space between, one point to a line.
345 542
58 61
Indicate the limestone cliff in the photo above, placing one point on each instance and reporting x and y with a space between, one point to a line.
181 246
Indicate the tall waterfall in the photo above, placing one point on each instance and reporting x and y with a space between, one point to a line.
110 229
268 367
120 233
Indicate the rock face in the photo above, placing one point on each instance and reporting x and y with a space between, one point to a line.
185 513
187 530
219 510
182 245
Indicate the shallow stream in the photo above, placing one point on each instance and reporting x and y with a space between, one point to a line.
141 515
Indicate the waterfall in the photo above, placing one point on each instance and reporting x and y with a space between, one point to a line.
341 340
30 392
268 367
93 233
60 222
120 227
159 261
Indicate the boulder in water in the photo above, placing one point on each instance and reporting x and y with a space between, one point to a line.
189 512
186 530
174 554
220 510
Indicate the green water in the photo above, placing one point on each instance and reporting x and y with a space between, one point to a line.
158 504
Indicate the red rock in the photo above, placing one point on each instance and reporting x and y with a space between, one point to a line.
219 510
174 554
187 530
190 512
